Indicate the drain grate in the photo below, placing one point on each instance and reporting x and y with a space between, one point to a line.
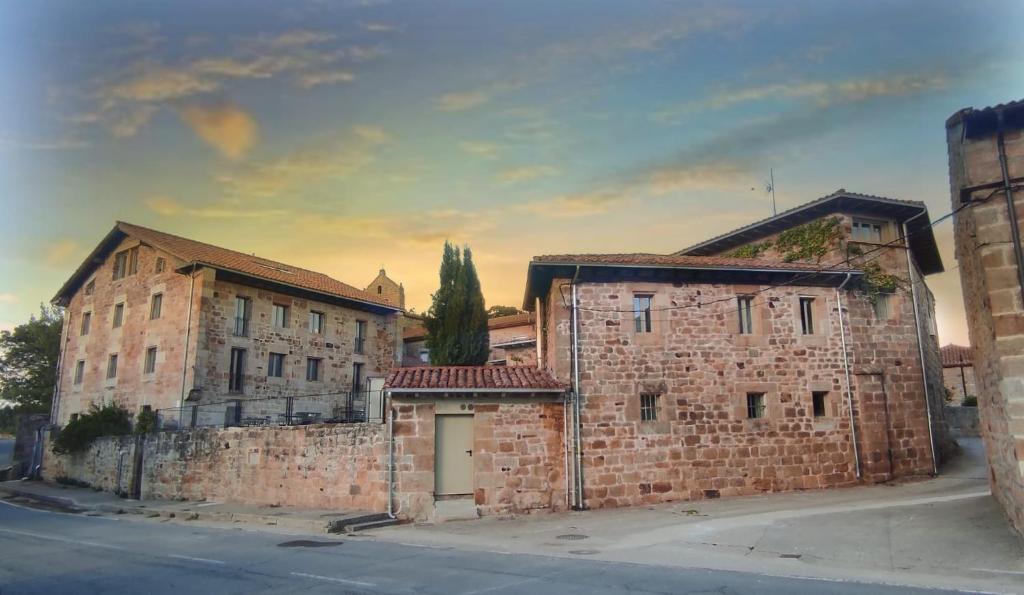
571 537
309 543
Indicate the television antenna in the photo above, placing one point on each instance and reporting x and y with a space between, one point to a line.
771 188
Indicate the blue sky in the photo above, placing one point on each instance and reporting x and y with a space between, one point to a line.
346 135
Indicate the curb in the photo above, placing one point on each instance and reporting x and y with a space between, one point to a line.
66 503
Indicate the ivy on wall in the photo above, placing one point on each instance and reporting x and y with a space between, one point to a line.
876 282
810 241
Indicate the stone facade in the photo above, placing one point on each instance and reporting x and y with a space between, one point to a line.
959 382
991 287
514 345
387 288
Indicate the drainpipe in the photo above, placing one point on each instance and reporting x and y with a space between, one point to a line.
846 367
188 336
920 349
391 458
577 447
1010 210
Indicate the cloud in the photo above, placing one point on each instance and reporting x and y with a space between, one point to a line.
374 135
56 144
457 102
301 37
8 298
60 252
315 79
225 127
573 205
271 178
381 27
168 207
160 84
481 149
524 174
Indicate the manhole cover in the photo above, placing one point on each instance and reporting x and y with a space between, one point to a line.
571 537
584 552
309 543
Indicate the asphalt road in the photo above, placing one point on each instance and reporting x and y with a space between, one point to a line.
52 552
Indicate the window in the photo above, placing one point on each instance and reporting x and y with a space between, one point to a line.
150 366
357 377
648 407
755 405
118 315
86 322
155 305
243 311
881 306
126 263
279 315
161 264
807 315
642 312
79 371
360 336
112 366
867 231
425 356
745 307
237 371
275 368
313 369
90 287
316 322
380 289
818 403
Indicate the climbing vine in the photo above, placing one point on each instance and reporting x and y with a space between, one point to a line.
810 241
876 282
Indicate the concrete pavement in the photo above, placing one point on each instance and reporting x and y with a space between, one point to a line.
54 553
942 532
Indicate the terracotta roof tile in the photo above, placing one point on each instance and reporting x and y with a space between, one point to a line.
414 332
472 378
683 261
254 266
955 355
521 319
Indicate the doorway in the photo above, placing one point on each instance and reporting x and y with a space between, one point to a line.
453 455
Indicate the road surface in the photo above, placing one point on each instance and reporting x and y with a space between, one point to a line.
51 552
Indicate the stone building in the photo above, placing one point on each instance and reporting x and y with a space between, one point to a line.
513 341
957 374
986 171
387 289
216 336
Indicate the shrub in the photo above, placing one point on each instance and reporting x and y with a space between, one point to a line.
970 401
146 421
109 420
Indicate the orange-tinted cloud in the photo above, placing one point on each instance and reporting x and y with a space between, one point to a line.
225 127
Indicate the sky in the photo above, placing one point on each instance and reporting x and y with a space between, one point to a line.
345 136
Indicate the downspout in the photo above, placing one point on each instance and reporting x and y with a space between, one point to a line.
920 349
577 447
1011 211
846 367
391 458
188 337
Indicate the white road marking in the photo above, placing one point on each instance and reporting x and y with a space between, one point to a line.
193 559
333 579
1021 572
48 511
64 539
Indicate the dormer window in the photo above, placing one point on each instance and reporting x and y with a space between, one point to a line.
868 231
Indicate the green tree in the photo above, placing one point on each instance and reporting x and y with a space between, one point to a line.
28 361
496 311
457 320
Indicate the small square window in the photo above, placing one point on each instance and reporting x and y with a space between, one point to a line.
156 305
313 369
112 366
649 407
745 308
755 405
275 368
818 400
79 371
150 366
118 315
807 315
161 264
642 312
86 323
316 322
867 231
279 315
90 287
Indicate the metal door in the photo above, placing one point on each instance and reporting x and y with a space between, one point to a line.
453 455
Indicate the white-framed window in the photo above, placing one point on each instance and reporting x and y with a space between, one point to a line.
642 312
807 315
865 230
316 322
86 323
79 371
112 366
755 405
275 367
745 310
118 315
649 406
156 305
279 315
313 365
150 365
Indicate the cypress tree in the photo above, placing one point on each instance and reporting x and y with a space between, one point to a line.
457 320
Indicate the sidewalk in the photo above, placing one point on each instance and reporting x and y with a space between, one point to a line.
86 500
945 532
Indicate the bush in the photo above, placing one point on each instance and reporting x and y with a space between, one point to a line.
110 420
970 401
146 421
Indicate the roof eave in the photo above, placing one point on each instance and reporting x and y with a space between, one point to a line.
63 296
476 390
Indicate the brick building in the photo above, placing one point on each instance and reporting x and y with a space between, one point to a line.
986 171
958 373
159 321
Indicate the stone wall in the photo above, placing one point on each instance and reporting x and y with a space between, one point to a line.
963 422
959 382
992 299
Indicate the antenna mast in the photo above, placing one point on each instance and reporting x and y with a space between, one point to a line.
771 188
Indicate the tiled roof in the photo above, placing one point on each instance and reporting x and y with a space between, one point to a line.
955 355
521 319
246 264
664 260
414 332
472 378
